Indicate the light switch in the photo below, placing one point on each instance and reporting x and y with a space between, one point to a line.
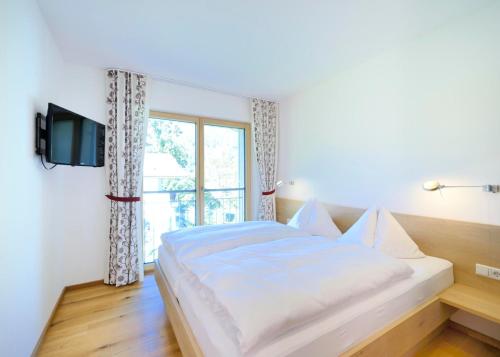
487 271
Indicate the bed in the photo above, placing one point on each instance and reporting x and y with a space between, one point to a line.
334 332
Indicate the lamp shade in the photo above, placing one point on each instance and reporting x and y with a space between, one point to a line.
431 185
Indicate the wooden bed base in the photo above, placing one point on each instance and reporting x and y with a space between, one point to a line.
185 337
399 338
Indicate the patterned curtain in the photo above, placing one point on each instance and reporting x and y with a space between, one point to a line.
126 93
265 122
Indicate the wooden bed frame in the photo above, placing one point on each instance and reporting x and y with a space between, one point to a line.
185 337
460 242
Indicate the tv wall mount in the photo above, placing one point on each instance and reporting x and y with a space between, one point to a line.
41 138
41 134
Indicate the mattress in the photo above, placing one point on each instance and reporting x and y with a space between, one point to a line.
170 267
333 333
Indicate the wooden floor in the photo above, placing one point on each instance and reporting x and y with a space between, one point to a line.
107 321
131 321
453 343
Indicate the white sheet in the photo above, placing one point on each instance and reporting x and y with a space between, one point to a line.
170 267
335 331
287 282
200 241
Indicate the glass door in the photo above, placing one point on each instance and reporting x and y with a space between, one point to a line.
196 171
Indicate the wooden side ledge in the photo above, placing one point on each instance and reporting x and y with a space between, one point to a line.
475 301
402 335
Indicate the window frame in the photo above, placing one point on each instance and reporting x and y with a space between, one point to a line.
200 122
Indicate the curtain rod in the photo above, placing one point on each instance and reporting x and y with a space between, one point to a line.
189 84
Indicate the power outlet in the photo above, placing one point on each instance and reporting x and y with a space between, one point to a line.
487 271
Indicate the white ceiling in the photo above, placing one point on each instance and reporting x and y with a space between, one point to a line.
268 49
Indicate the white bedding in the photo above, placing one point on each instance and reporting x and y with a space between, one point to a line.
200 241
261 291
171 268
332 333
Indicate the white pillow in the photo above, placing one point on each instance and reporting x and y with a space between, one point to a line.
392 239
313 218
363 231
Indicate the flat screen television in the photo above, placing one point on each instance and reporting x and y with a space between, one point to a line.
73 139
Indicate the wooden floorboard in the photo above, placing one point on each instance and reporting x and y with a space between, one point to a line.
453 343
101 320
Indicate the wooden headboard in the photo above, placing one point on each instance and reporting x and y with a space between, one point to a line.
462 243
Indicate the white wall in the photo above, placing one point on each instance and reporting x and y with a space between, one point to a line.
30 258
174 98
375 133
81 206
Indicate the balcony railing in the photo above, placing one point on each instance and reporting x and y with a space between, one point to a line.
165 211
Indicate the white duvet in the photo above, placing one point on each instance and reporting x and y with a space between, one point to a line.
200 241
261 291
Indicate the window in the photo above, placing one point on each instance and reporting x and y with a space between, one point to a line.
196 171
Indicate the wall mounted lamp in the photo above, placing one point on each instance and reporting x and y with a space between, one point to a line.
280 183
435 185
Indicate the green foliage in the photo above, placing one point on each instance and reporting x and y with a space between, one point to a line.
161 138
178 183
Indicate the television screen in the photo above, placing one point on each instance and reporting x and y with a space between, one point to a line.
73 139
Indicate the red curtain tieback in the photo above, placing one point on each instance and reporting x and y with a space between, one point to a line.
123 199
267 193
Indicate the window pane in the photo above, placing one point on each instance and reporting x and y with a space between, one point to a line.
169 180
226 206
224 158
170 158
224 174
